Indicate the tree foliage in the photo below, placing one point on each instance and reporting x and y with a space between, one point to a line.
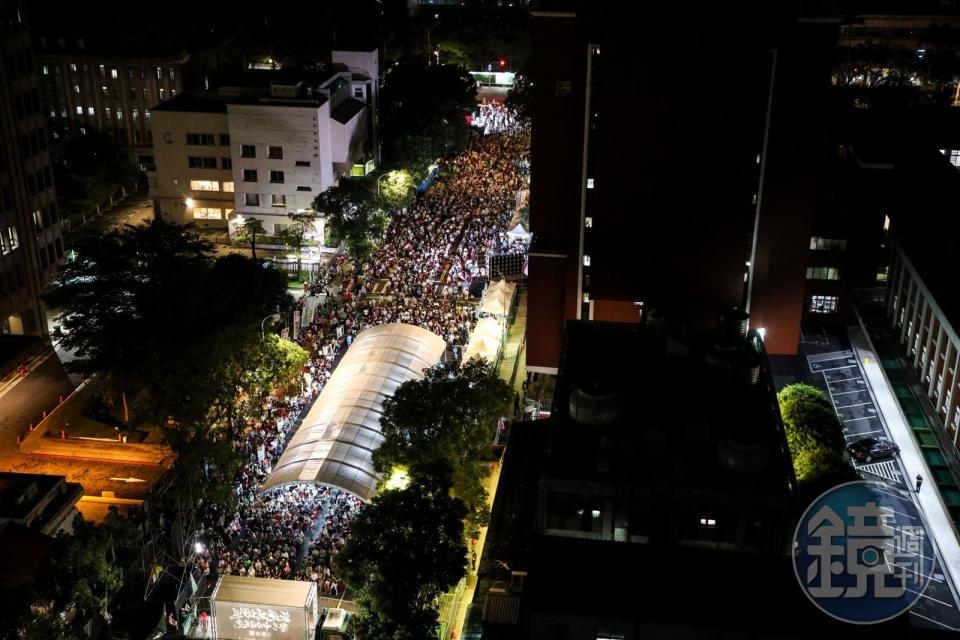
405 549
149 309
520 97
814 434
446 420
352 215
396 190
88 170
424 113
251 229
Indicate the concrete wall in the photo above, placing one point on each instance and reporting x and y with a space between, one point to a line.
305 136
170 184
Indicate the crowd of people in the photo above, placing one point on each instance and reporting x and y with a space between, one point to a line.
424 267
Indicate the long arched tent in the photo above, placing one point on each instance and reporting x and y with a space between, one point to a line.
335 443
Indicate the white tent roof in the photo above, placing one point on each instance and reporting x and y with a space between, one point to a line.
335 443
497 297
488 327
518 231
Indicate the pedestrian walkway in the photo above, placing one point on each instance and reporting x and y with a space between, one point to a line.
937 518
513 363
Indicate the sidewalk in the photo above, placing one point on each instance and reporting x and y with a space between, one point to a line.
938 522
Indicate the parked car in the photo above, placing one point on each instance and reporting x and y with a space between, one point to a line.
870 449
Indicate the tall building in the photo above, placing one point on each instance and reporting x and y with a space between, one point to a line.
265 144
30 239
673 167
109 77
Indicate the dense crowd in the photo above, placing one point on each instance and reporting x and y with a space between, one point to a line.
422 272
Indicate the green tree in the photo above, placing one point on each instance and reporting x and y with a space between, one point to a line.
814 434
253 227
84 570
300 228
426 102
405 549
352 216
150 310
40 623
396 190
520 97
88 170
447 419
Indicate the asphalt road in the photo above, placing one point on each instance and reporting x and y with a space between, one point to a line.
850 394
25 402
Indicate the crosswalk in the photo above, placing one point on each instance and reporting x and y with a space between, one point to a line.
885 469
833 355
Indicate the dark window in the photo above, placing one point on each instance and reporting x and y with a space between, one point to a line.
224 139
226 163
275 153
248 151
302 163
276 177
249 175
251 199
304 189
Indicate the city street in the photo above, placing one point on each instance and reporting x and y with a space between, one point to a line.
24 402
840 372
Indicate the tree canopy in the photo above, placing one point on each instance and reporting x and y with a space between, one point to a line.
424 113
149 309
814 435
89 168
405 549
446 420
352 215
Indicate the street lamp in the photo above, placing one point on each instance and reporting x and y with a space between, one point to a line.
382 176
273 317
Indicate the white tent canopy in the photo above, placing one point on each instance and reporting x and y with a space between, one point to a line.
497 298
485 340
335 443
518 232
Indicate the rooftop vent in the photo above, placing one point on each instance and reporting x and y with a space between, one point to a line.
595 407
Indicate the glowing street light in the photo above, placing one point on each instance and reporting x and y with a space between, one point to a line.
189 203
399 479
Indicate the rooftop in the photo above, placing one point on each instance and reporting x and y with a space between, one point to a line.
685 407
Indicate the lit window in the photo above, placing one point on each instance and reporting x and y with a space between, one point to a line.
823 273
205 185
886 223
586 297
823 304
13 240
955 157
827 244
586 260
709 523
883 273
589 183
136 115
228 187
91 111
79 110
588 222
119 114
113 73
207 213
46 70
76 88
278 200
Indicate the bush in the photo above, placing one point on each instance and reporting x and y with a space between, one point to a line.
814 434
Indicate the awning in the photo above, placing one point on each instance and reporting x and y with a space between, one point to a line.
335 443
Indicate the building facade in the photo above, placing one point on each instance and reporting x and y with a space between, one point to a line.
111 83
655 195
926 324
264 144
30 239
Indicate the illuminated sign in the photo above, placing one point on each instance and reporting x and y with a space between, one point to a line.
238 622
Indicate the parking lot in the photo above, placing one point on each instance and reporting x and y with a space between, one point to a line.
855 406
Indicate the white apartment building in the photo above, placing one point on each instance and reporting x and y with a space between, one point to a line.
264 145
